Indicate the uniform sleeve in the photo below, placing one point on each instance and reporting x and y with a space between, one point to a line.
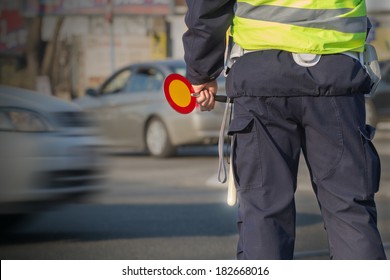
205 40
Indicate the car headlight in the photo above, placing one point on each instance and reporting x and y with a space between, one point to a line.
22 120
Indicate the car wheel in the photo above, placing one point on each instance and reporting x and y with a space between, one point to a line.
157 139
371 116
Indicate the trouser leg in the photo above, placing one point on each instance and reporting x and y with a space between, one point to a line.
345 172
265 156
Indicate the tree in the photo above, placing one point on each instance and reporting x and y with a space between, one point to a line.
40 57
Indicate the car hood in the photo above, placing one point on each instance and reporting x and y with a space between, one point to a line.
22 98
87 102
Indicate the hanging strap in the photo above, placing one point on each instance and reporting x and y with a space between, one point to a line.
222 174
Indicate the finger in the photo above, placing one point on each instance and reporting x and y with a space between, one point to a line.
208 107
201 99
209 100
208 104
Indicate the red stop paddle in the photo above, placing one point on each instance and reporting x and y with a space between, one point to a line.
178 92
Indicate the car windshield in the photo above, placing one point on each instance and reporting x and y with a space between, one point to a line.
179 69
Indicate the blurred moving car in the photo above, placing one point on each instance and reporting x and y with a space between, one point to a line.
132 111
378 103
47 152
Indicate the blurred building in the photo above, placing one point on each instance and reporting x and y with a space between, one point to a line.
95 37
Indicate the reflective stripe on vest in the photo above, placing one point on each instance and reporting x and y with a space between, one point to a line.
301 26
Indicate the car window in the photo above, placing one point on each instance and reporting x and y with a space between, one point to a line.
145 79
179 69
117 83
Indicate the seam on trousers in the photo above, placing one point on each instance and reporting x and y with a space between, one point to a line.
337 162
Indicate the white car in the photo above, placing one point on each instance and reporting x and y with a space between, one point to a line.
48 152
131 109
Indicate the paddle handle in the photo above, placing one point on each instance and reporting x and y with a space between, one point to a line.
218 98
222 98
232 192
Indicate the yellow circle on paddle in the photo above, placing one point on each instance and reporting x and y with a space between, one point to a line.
180 93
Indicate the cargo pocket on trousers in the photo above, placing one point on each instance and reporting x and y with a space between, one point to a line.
373 166
246 156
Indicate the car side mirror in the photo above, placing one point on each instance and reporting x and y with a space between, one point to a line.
92 92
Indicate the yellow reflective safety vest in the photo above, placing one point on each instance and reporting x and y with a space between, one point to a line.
301 26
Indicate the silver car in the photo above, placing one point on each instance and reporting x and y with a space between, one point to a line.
48 153
132 111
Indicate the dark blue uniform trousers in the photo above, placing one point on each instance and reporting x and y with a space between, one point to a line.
269 134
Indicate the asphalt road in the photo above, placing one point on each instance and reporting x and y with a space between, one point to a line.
167 209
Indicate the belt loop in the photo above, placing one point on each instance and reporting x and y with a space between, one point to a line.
306 59
234 52
371 64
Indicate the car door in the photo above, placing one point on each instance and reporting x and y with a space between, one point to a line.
132 102
106 111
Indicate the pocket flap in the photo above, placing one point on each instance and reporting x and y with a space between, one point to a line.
368 132
243 124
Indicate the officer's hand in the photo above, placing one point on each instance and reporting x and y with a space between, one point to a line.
205 95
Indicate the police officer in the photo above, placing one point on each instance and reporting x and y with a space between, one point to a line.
297 85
